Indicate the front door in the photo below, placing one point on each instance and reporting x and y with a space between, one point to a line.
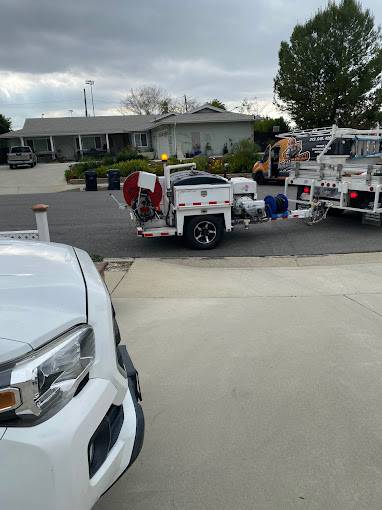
195 139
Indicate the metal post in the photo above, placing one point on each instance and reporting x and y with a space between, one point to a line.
40 211
52 147
91 93
86 106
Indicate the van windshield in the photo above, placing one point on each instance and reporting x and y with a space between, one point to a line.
20 149
266 155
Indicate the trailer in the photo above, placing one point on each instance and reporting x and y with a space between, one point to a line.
199 206
338 183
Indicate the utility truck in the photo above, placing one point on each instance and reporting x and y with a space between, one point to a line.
198 205
300 146
347 181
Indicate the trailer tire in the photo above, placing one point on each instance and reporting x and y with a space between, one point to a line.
259 178
204 232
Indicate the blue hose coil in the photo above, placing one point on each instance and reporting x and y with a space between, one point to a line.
276 207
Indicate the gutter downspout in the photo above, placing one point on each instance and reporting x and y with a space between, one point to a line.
175 142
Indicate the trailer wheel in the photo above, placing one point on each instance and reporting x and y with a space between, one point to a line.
259 178
204 232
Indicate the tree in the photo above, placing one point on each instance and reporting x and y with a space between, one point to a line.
264 130
184 104
218 104
147 100
5 124
150 100
331 69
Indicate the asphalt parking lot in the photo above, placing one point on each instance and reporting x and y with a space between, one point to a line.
92 221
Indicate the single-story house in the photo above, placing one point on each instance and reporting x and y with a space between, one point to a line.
204 130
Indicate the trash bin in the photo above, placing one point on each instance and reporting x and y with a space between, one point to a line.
113 179
91 180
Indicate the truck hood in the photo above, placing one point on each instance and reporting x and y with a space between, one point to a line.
42 294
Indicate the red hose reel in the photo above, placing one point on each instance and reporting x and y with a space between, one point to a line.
131 191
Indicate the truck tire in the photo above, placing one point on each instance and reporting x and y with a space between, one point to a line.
204 232
11 167
259 178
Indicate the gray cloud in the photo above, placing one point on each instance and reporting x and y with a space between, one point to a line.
213 48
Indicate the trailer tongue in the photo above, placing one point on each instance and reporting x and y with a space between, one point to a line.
198 205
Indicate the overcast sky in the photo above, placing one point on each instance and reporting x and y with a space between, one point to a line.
204 48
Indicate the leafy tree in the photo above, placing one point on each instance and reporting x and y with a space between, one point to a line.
264 130
218 104
5 124
331 69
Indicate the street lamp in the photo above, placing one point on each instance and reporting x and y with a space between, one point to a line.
91 83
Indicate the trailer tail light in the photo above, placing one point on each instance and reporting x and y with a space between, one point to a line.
306 189
353 195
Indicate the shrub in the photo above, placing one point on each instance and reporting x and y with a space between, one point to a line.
201 162
244 156
108 160
216 166
173 160
134 165
128 154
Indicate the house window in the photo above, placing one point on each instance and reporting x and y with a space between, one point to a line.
91 142
140 140
40 145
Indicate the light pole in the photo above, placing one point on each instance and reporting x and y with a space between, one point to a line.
91 83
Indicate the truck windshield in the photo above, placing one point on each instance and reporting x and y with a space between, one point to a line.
20 149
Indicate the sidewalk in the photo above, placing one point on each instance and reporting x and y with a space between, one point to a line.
262 382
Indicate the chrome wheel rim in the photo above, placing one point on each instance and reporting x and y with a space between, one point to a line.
205 232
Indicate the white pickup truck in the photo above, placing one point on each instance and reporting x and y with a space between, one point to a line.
21 155
70 418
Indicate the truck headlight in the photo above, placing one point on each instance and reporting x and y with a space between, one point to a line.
44 381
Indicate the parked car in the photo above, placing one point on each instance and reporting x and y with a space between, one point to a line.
70 418
21 155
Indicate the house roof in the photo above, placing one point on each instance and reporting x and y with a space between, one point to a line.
83 125
60 126
203 113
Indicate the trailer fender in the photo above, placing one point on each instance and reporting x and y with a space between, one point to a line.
184 216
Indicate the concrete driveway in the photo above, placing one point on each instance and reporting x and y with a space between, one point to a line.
262 383
43 178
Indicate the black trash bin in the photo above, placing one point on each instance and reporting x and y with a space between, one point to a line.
91 180
113 179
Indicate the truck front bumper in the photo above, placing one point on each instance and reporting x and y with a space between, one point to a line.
70 460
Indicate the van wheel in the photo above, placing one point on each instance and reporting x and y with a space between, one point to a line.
259 178
11 167
204 232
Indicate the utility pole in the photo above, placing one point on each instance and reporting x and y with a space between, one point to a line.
185 103
86 106
71 112
91 83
